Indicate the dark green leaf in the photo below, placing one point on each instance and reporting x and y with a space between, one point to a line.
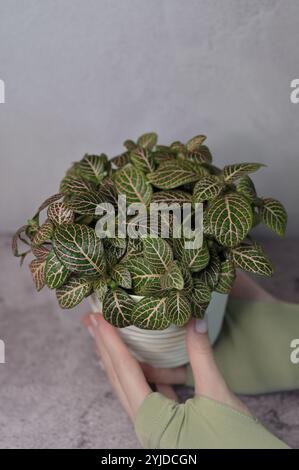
148 141
226 277
158 253
199 311
188 280
79 249
133 184
174 173
129 144
253 260
44 233
230 217
232 172
100 288
274 216
145 279
118 307
178 308
85 203
60 214
142 159
121 160
40 252
206 189
195 259
201 154
55 272
93 167
37 268
172 197
195 142
122 276
150 314
113 253
210 275
201 293
76 185
173 277
73 292
246 187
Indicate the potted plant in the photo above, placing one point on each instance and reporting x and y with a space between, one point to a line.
149 286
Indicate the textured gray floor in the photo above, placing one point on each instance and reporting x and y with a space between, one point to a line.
53 394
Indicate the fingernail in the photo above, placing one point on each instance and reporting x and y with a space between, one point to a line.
90 331
101 365
201 326
94 320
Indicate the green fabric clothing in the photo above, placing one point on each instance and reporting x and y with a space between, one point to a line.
253 353
200 423
254 347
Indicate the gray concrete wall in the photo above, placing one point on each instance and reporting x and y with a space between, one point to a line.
83 75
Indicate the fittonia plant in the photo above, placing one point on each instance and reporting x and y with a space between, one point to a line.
175 282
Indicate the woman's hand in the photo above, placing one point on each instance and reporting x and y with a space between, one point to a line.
130 380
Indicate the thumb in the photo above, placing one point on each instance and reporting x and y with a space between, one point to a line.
208 380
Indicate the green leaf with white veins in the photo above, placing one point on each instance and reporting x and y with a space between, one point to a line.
201 154
72 185
37 268
44 233
150 314
178 308
274 216
246 187
40 252
174 173
195 259
201 293
172 197
121 160
129 144
226 277
173 277
60 214
188 280
133 184
230 217
207 188
85 203
253 260
100 288
122 276
195 142
93 167
158 253
232 172
113 253
79 249
148 140
55 272
118 307
73 292
145 279
210 275
199 311
142 159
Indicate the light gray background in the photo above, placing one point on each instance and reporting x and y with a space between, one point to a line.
83 75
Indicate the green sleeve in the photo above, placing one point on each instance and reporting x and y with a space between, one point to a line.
254 347
200 423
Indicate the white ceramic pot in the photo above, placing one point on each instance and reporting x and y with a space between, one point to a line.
166 348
